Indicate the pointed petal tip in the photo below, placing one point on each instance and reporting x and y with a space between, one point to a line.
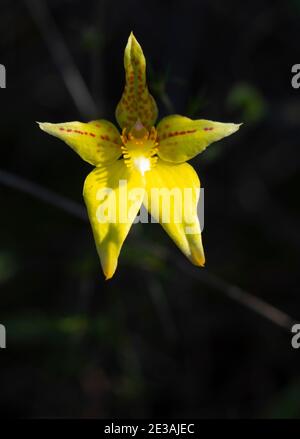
43 125
232 128
197 257
133 45
199 262
235 127
132 36
109 272
109 261
131 39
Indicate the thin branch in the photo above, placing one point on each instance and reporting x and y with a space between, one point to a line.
62 57
39 192
212 281
160 302
241 296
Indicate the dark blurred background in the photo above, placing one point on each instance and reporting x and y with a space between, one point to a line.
161 338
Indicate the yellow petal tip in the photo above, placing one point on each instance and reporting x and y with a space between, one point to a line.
44 126
109 271
199 262
197 256
233 128
132 37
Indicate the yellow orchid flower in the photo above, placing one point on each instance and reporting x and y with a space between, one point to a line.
130 166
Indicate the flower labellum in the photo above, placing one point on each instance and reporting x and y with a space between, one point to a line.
143 164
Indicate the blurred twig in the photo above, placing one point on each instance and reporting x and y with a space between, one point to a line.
212 281
43 194
162 307
62 57
241 296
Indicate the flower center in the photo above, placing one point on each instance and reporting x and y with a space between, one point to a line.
139 147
